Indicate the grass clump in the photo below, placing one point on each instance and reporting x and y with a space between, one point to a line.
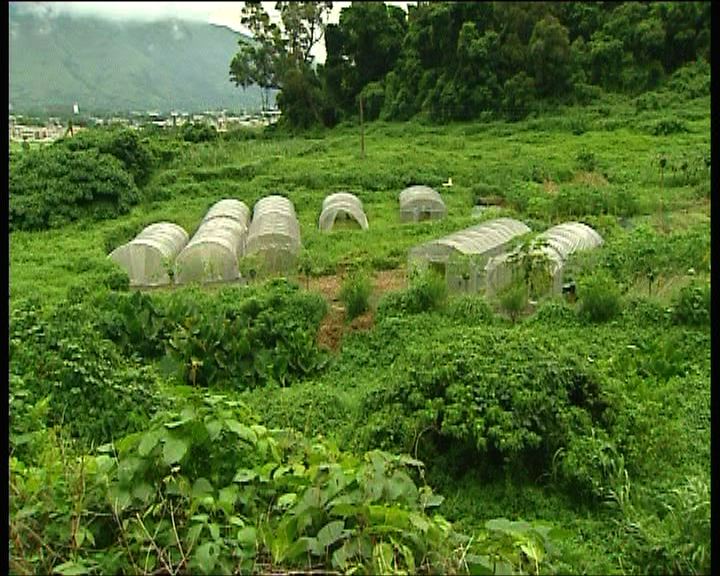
599 298
355 294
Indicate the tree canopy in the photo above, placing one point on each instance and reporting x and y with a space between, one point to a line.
458 60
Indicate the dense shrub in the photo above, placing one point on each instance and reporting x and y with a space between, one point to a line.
53 186
599 297
470 309
427 292
514 299
692 305
512 399
93 392
220 494
124 144
355 293
238 336
198 132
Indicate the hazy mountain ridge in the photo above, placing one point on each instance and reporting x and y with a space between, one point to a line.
104 65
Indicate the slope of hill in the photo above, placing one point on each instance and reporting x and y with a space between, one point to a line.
109 66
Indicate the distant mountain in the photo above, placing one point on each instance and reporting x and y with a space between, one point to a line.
109 66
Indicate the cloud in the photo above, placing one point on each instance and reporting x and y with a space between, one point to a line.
145 11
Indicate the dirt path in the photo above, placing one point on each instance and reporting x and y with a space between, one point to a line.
334 326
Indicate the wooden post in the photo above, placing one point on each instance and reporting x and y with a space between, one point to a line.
362 130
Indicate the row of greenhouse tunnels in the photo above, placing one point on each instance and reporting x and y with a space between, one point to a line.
164 254
488 257
493 255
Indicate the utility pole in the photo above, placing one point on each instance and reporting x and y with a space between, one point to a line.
362 130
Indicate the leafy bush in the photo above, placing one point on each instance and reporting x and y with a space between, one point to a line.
355 293
599 298
471 309
514 299
124 144
427 292
505 397
554 312
94 393
591 466
668 126
246 337
692 305
52 186
198 132
206 489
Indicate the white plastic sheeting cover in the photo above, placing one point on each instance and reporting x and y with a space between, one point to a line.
230 208
274 232
212 254
556 243
477 239
342 204
149 257
417 202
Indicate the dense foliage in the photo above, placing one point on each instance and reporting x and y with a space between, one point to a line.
95 174
248 428
53 186
464 60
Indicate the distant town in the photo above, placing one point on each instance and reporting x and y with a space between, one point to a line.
29 129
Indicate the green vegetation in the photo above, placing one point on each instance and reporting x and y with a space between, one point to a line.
448 61
355 294
107 66
211 429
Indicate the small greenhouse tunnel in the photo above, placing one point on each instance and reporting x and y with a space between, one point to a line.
421 203
544 260
342 206
274 235
212 254
149 257
461 257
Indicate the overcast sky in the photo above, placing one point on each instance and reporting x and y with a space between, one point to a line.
225 13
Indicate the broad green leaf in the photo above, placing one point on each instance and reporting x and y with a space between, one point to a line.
227 497
331 533
174 450
479 565
193 533
206 556
504 569
419 522
214 427
499 525
245 475
149 441
287 500
214 531
143 491
244 432
201 487
344 510
177 423
533 552
302 546
71 569
247 537
432 500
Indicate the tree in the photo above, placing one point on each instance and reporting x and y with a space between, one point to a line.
362 48
550 57
280 56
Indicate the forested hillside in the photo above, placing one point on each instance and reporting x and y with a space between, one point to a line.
108 66
467 60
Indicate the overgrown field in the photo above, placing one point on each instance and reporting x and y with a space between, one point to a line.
206 430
